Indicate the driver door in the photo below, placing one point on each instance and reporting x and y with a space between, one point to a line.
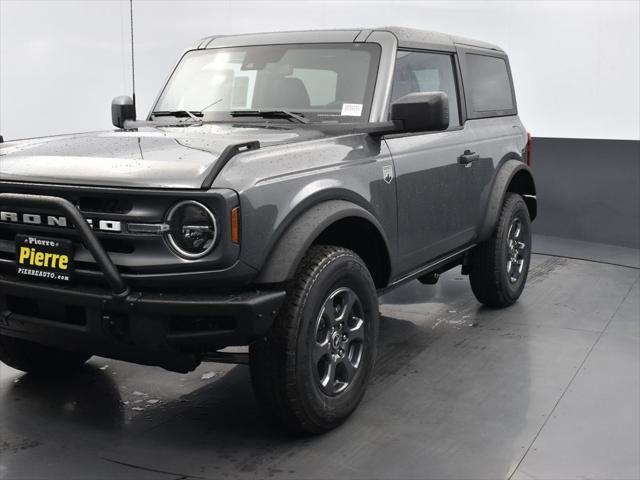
437 195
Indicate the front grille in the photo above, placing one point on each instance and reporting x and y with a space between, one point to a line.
115 245
47 310
105 205
121 206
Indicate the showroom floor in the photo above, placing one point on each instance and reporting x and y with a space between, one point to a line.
548 389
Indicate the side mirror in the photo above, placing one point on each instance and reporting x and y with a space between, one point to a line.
122 109
422 111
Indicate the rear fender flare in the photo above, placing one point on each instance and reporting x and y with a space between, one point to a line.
501 186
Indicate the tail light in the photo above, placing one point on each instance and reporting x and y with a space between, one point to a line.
527 151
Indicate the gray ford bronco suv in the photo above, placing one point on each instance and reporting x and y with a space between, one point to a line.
280 183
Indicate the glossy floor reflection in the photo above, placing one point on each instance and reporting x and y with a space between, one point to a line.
546 389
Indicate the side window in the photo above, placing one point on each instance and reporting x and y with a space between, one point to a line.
488 85
426 72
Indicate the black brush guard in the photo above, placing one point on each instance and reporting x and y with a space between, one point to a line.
118 287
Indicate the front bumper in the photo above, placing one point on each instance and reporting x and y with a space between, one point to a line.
163 329
168 329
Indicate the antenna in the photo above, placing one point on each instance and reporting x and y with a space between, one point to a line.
133 63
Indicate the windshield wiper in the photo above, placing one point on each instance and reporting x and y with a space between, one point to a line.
190 119
193 114
298 117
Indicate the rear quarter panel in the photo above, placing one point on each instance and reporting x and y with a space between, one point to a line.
500 139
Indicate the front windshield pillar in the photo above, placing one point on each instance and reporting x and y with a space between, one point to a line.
382 92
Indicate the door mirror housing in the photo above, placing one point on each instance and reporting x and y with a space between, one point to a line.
122 109
422 112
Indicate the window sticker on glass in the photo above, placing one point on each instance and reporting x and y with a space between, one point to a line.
351 109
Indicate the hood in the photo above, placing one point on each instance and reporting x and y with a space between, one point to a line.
150 157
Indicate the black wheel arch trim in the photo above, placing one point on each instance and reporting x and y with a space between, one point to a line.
511 167
287 252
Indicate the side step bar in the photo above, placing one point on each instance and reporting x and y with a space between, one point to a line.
424 273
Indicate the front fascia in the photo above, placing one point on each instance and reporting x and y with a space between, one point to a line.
144 259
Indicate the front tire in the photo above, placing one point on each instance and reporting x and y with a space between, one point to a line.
35 358
499 266
312 370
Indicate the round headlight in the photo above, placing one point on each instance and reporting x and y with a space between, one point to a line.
193 229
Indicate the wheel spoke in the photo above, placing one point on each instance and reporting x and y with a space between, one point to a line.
330 376
329 311
320 350
518 229
350 369
349 299
356 332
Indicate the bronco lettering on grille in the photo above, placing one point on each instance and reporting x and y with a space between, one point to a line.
57 221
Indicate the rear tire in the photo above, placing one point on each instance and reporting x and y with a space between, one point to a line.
499 266
33 357
311 371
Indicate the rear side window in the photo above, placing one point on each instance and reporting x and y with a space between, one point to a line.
426 72
488 86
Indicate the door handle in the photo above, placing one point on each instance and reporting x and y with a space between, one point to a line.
467 157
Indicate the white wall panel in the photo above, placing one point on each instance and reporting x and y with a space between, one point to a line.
575 64
60 65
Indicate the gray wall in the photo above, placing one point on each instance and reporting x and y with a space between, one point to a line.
588 189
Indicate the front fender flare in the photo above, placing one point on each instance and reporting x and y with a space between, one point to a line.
285 256
500 187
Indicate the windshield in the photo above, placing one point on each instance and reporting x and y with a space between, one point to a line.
320 82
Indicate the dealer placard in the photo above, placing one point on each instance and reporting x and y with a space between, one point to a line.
44 258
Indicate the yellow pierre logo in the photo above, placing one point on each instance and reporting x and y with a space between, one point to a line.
34 258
